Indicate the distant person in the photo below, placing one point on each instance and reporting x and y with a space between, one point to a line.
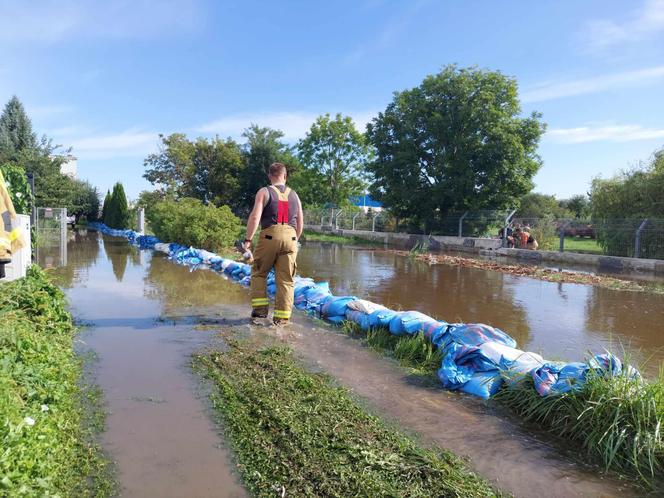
531 243
523 236
278 210
509 238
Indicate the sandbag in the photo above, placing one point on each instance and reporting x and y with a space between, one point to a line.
474 334
558 378
336 306
435 332
483 384
381 318
358 317
409 322
365 306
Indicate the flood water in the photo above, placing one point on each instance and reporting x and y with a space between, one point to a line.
143 312
561 321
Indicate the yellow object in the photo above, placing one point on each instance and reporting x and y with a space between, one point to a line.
10 240
276 248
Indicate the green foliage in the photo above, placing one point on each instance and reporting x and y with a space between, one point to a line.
534 205
335 149
46 448
617 420
104 209
19 189
208 170
117 211
16 133
190 222
295 431
452 144
578 205
630 197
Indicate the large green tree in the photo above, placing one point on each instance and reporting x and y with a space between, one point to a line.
536 205
456 142
335 148
16 133
210 170
117 210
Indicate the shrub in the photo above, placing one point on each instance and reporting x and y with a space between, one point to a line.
188 221
117 211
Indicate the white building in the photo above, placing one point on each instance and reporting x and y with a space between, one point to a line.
69 166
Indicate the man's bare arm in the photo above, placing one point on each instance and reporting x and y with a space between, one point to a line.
255 217
300 219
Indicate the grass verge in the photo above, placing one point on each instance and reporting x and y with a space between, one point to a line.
47 417
312 236
617 421
582 245
296 434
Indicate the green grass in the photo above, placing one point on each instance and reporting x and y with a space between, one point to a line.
338 239
582 244
296 434
618 421
47 415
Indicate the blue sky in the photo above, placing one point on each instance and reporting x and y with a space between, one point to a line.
107 77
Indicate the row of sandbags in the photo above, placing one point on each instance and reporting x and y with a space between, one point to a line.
477 359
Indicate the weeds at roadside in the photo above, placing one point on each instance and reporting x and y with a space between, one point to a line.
49 417
296 434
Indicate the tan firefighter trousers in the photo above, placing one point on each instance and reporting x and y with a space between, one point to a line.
277 247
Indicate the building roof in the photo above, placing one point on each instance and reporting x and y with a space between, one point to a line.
365 200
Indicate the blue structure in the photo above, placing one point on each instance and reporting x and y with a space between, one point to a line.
365 201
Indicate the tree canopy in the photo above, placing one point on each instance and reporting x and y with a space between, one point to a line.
16 133
339 152
456 142
117 211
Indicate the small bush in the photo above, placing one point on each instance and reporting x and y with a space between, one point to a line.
189 222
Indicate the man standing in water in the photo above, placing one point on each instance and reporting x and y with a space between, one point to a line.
279 211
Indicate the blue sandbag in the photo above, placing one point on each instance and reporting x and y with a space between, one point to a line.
436 332
359 317
381 318
272 289
483 384
409 322
336 306
559 378
316 295
474 334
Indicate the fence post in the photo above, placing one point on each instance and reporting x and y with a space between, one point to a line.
63 237
637 240
461 223
141 221
356 215
336 219
373 222
507 222
562 229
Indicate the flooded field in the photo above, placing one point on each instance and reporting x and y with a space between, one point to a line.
147 315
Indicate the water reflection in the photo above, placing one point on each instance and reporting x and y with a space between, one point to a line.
119 252
81 255
176 287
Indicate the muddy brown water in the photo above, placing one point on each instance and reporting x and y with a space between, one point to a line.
143 309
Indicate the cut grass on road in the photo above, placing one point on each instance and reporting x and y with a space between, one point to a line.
296 434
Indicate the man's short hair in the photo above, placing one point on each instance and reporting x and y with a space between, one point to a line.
278 169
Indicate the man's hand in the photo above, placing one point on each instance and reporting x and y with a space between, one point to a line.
246 245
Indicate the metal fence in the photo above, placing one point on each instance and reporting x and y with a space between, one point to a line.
51 234
640 238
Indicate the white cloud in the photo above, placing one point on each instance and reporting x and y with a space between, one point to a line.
646 21
294 124
56 20
557 90
607 133
128 143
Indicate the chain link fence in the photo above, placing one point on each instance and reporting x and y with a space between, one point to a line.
640 238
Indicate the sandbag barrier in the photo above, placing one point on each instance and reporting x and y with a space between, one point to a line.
477 358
